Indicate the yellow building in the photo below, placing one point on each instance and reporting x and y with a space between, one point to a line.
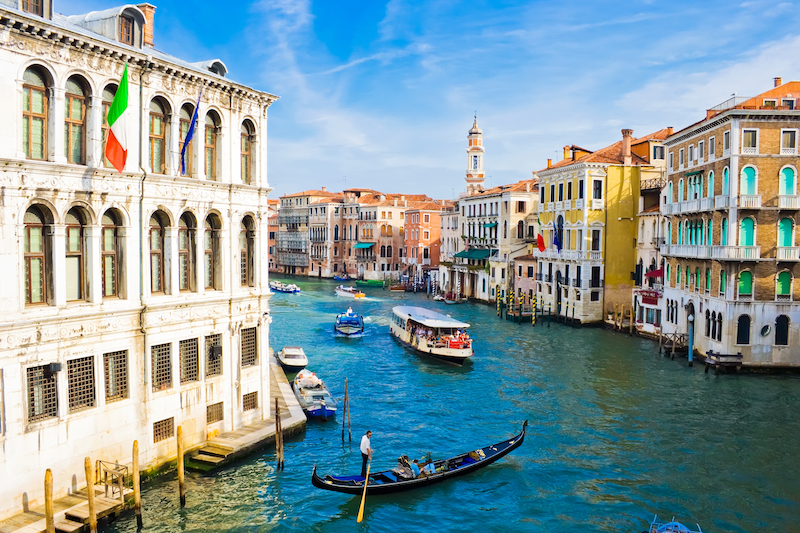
589 206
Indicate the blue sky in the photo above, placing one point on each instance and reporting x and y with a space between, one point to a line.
381 94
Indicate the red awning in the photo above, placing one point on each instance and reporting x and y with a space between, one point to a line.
655 273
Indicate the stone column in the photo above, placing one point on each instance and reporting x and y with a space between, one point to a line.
174 144
94 133
55 126
57 234
93 258
171 285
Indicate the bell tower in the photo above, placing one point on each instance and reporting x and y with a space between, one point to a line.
474 159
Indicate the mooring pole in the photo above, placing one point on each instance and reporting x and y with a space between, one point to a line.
87 466
181 479
50 524
137 490
549 313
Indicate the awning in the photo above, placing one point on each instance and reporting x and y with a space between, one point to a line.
365 245
696 172
655 273
474 253
490 224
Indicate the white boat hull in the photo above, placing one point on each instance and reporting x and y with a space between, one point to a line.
421 345
349 330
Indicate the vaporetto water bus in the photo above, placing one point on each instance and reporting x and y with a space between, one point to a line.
432 333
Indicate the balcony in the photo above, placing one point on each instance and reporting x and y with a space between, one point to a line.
750 201
579 203
742 253
786 201
788 253
721 202
597 204
654 183
789 151
686 250
538 276
548 278
706 204
365 258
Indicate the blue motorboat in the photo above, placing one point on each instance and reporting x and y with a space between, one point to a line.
279 286
341 277
349 323
313 396
671 527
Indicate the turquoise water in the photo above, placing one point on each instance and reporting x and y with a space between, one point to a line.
617 433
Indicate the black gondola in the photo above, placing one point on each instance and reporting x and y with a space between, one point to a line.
388 481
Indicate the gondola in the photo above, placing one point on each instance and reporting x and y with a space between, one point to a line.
388 481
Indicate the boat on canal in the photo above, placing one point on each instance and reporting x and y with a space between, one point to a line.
280 286
431 333
341 277
349 323
671 527
396 480
349 292
369 282
292 358
313 396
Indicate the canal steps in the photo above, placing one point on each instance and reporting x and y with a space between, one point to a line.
232 445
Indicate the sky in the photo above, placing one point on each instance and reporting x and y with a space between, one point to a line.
381 95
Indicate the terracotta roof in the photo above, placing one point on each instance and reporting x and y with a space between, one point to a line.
308 193
336 199
529 257
513 187
652 209
611 154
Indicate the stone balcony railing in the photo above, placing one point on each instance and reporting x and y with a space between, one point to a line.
787 201
696 251
750 201
788 253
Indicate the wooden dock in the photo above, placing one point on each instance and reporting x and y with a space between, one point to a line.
71 513
232 445
724 362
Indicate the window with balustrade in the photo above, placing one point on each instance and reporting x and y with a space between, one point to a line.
783 285
787 183
789 142
745 288
750 141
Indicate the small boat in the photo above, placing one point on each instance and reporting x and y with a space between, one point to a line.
453 298
397 287
292 358
431 333
438 298
341 277
349 323
313 395
349 292
280 286
671 527
369 282
390 481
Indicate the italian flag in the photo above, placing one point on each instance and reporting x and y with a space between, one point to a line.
118 118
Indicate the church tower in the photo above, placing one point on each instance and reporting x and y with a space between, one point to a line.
474 159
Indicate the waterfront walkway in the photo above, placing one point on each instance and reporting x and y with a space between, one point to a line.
71 513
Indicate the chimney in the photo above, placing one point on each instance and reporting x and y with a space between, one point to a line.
626 146
149 11
567 152
778 81
669 130
395 202
549 163
528 187
324 189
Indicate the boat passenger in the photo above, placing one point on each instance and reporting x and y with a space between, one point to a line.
415 468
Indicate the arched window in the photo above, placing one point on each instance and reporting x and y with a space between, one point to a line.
719 327
711 184
669 193
746 231
708 323
785 232
743 330
75 120
158 136
388 230
722 282
783 285
248 136
723 234
211 130
187 112
246 245
726 181
186 252
782 330
383 229
111 253
212 261
108 99
710 233
680 190
669 232
36 256
697 279
713 324
75 255
748 181
708 279
678 276
389 250
668 279
336 232
158 224
34 114
787 182
505 229
383 251
745 283
520 230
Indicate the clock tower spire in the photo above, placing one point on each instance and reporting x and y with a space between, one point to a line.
474 159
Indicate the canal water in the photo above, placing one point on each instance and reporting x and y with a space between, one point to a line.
617 433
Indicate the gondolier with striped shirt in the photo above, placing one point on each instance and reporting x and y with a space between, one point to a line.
366 452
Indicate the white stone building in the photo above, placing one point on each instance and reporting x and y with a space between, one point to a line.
132 302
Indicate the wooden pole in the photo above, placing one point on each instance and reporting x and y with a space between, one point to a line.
674 341
344 408
630 326
87 465
549 312
50 525
573 312
181 479
137 490
349 426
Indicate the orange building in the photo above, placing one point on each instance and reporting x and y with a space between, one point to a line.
422 239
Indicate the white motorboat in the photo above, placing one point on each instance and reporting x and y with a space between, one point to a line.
292 358
313 396
349 323
432 333
348 292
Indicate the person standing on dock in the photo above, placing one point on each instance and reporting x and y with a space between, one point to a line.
366 452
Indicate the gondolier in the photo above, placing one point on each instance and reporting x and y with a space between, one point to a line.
366 452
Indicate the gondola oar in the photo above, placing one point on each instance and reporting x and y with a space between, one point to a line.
363 496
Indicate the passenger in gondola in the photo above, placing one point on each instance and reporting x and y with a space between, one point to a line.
415 468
